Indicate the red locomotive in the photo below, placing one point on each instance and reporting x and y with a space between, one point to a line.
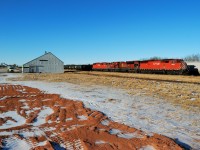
164 66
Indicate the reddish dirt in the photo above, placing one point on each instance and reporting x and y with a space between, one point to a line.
71 125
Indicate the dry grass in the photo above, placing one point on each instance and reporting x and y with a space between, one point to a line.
185 94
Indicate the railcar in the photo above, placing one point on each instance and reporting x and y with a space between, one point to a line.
78 67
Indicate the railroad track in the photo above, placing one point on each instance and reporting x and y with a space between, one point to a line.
141 78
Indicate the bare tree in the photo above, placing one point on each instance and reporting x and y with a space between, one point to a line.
194 57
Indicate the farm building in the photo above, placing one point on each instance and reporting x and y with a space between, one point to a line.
47 63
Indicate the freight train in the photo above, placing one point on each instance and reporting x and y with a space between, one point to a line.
163 66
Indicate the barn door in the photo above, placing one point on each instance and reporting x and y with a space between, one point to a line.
31 69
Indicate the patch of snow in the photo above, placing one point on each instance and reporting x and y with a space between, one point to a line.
68 119
3 98
22 91
22 100
34 133
49 129
125 135
14 143
105 122
114 131
130 135
27 133
28 112
46 100
147 148
14 115
41 143
74 127
41 118
82 117
25 106
49 121
36 108
6 133
53 135
100 142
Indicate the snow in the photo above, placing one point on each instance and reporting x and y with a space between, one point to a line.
145 113
147 148
105 122
15 116
13 143
82 117
22 100
3 98
49 129
120 133
41 118
42 143
114 131
49 121
6 133
100 142
74 127
68 119
46 100
36 108
31 133
28 112
25 106
130 135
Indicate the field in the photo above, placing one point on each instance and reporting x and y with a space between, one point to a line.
101 110
179 90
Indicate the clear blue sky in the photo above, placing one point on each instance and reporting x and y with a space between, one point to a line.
87 31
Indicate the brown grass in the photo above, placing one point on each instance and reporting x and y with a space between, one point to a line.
185 92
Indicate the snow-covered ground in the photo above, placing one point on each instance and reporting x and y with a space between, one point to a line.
145 113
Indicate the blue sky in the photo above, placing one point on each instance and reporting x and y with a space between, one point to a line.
87 31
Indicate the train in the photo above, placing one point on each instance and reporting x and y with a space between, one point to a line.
162 66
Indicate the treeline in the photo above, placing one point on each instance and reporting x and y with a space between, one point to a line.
194 57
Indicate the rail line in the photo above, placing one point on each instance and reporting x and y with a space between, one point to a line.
141 78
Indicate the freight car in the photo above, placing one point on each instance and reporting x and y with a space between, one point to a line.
78 67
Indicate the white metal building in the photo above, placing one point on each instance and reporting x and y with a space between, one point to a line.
47 63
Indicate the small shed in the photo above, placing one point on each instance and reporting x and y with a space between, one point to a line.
47 63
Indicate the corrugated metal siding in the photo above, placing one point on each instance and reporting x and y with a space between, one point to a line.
47 63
